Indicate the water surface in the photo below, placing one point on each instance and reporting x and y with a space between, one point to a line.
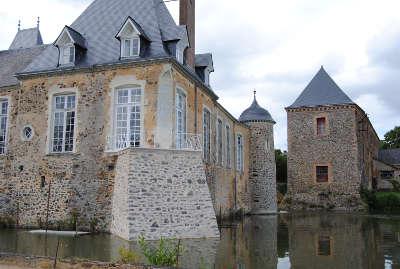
287 241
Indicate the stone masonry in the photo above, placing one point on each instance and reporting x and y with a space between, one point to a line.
262 168
162 193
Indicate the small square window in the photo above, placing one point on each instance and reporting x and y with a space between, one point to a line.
322 173
130 47
321 126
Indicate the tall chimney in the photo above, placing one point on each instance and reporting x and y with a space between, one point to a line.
187 16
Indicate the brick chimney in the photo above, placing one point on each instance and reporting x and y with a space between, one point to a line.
187 16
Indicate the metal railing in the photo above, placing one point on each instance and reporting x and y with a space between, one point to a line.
183 141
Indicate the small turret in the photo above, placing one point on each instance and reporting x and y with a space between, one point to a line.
262 176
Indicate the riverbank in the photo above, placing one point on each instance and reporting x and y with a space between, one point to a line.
11 261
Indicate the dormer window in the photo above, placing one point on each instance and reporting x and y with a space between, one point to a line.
67 54
131 36
130 47
71 46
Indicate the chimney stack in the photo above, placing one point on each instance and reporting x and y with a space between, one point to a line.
187 16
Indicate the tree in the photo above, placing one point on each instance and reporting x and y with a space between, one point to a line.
281 166
392 139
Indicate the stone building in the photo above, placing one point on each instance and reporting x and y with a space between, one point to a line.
331 148
116 123
387 168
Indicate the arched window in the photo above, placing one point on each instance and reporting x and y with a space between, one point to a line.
180 119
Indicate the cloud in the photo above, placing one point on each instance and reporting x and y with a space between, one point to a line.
275 47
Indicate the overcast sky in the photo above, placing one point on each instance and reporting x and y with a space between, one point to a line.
275 47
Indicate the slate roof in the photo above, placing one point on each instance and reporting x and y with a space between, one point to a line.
321 91
27 38
256 113
390 156
102 20
204 60
14 61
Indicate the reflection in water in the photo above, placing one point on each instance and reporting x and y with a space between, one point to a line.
288 241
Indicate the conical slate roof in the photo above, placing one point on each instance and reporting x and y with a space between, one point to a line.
256 113
322 90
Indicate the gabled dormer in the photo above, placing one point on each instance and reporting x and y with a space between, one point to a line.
132 39
71 46
204 66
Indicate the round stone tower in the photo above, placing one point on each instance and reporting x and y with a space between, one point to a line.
262 178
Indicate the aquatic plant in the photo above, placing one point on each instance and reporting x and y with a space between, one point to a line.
165 253
127 256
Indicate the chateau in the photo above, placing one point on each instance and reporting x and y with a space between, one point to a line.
116 123
332 148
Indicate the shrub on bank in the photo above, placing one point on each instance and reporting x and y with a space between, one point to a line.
382 202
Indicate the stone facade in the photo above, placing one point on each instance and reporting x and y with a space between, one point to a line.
262 168
339 149
162 193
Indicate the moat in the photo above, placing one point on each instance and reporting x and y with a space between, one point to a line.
285 241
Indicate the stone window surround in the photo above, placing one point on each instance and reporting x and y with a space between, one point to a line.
23 137
181 89
327 130
9 106
219 155
228 145
51 94
330 172
120 82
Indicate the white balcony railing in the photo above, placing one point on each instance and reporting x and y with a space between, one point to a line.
183 141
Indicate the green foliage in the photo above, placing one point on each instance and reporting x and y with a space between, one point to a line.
395 184
94 222
127 256
7 222
382 202
392 139
281 165
166 253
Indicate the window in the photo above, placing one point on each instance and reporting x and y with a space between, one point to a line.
206 134
130 47
219 142
3 125
27 133
239 153
387 174
127 117
63 123
324 246
321 126
228 146
180 119
67 54
322 174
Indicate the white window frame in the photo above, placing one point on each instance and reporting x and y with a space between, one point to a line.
180 134
65 110
239 153
119 142
63 57
206 138
228 146
219 141
7 116
132 53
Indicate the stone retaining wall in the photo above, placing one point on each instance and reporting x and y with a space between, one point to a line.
162 193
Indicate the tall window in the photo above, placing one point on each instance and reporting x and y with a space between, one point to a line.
67 54
239 153
130 47
321 126
228 146
322 174
127 117
219 142
180 119
63 119
3 125
206 134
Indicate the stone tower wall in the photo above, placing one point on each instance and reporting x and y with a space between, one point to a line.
262 168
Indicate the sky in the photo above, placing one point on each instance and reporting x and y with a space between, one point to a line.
274 47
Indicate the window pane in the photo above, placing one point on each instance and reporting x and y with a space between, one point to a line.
69 134
321 126
219 141
123 96
127 48
3 126
58 132
135 47
4 108
228 146
60 102
324 246
71 101
71 54
206 134
239 157
322 173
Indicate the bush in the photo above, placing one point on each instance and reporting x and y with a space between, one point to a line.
165 254
127 256
388 202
